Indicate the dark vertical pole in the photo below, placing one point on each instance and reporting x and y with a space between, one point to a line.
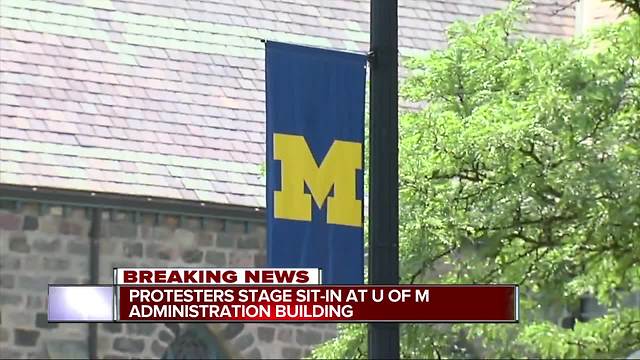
384 340
94 274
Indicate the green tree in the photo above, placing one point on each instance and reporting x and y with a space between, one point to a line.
627 6
522 167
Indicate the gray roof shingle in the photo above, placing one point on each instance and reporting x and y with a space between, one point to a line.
166 98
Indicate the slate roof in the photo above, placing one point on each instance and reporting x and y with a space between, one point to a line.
165 98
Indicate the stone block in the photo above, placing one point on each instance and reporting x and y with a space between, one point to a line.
81 266
30 223
71 228
249 242
192 256
254 354
132 249
10 222
49 225
232 330
148 219
55 264
79 214
121 216
158 251
234 226
241 259
192 223
18 243
151 249
243 342
173 328
80 247
291 353
215 225
141 328
184 238
227 241
46 245
218 258
67 349
162 233
112 327
7 281
260 260
42 322
165 254
285 335
171 221
32 262
308 337
105 342
146 231
23 337
20 318
123 230
31 208
204 239
258 229
4 335
9 262
128 345
158 349
35 302
39 284
108 247
9 353
166 336
266 334
10 299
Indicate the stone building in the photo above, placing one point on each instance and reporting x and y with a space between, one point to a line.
132 134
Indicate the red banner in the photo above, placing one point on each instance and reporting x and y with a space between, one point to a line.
419 303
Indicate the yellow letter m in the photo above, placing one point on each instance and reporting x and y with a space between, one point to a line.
337 171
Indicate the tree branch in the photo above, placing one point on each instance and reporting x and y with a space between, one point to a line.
562 8
531 154
429 261
534 264
488 277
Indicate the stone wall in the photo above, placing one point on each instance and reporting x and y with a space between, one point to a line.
594 13
42 244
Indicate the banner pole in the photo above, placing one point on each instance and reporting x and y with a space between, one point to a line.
383 338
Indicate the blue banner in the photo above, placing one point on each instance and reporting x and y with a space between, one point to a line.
315 146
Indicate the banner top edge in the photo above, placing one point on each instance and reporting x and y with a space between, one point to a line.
307 48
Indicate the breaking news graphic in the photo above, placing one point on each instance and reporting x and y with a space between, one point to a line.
272 295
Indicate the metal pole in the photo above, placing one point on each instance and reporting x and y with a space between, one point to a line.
384 342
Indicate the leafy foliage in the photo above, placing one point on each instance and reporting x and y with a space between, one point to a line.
523 167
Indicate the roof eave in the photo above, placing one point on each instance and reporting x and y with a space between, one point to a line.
131 203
